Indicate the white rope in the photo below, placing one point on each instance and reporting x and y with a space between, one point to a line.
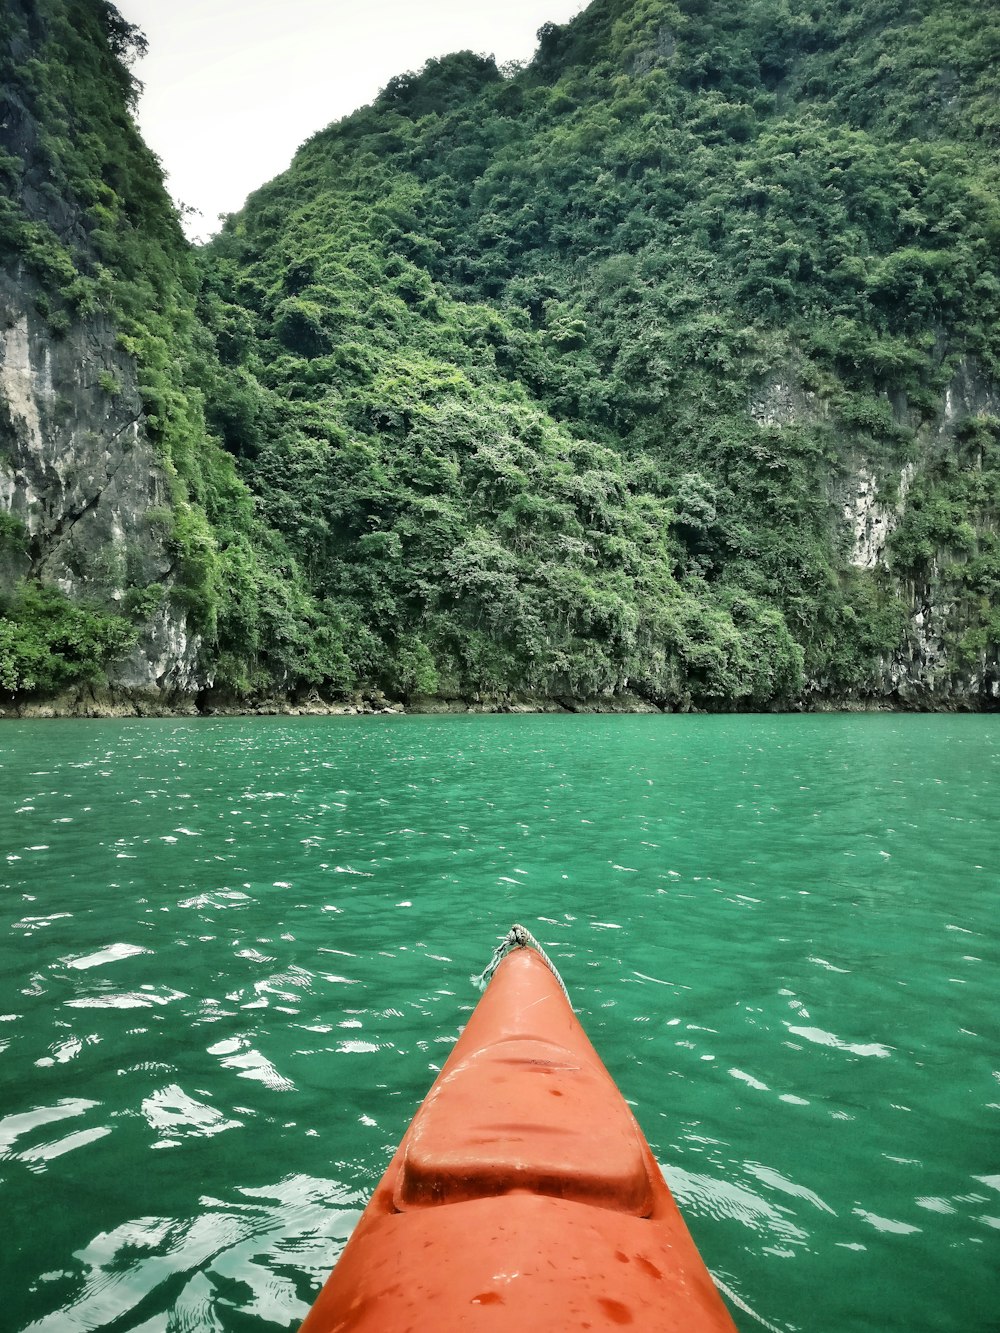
518 937
741 1304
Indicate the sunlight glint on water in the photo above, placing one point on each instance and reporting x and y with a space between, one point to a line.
236 951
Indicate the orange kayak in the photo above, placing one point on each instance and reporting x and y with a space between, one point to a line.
523 1198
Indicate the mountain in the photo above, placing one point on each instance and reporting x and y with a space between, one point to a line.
129 546
663 370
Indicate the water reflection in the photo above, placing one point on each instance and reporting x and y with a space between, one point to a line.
779 933
259 1253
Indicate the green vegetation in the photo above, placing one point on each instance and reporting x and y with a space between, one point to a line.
47 643
947 540
555 379
497 339
103 240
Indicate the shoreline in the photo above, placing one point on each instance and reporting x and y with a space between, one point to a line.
105 704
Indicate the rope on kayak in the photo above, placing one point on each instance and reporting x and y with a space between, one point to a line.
741 1304
518 937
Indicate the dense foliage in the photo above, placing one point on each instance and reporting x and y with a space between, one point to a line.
492 345
84 213
498 359
47 643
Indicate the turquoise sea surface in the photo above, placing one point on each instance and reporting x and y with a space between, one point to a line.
234 952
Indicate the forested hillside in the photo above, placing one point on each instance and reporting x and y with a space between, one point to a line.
128 544
665 368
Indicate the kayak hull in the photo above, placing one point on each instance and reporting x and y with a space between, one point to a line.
523 1196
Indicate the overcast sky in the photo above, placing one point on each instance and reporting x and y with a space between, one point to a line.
232 87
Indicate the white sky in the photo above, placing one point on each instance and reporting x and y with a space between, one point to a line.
232 87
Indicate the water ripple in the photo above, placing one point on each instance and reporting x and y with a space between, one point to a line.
259 1253
779 933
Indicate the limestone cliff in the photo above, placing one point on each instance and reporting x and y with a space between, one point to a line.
872 496
660 373
78 469
84 487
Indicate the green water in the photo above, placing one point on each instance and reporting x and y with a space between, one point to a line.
234 952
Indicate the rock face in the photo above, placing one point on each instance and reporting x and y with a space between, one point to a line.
78 470
137 514
872 499
782 400
870 521
925 672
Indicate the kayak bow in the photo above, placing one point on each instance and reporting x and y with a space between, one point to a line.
523 1196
